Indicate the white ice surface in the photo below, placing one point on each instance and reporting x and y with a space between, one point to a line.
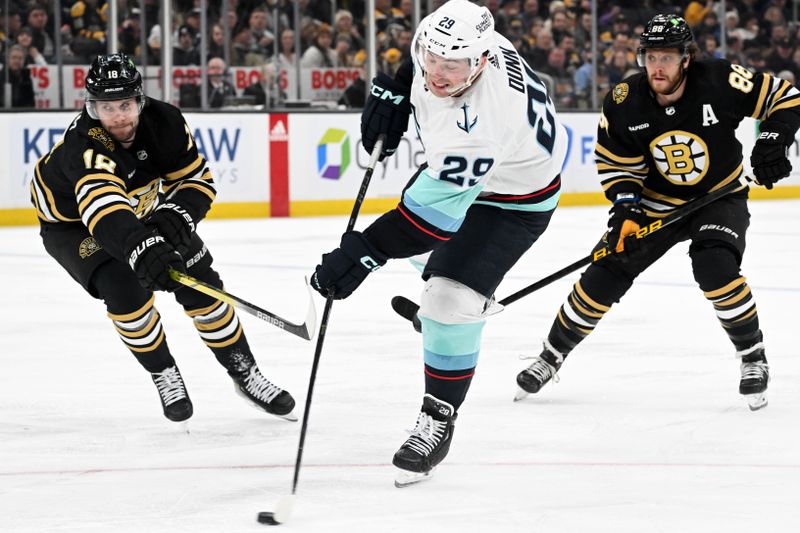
646 431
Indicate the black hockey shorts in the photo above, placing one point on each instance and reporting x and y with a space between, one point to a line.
489 242
73 247
724 221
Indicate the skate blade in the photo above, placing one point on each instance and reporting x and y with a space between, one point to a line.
405 478
291 417
521 394
756 401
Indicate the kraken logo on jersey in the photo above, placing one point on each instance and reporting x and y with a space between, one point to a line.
101 135
620 92
88 246
681 157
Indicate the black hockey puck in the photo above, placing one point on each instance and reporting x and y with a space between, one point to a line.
266 517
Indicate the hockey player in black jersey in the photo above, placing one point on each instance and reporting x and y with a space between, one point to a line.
665 137
118 202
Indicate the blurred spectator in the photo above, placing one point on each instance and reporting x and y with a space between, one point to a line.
621 43
559 26
260 37
356 93
42 40
531 12
556 68
240 45
266 91
88 29
216 44
32 54
184 52
320 54
385 14
507 11
192 19
130 34
342 49
343 25
407 9
781 57
538 54
618 67
709 45
218 87
286 57
19 77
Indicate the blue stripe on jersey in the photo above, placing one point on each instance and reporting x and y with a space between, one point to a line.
439 203
541 207
451 346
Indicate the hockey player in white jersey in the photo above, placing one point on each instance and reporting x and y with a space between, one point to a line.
494 152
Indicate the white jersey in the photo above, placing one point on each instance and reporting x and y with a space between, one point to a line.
501 136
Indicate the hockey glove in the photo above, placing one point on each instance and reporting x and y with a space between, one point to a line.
386 111
151 256
174 223
770 157
626 217
346 267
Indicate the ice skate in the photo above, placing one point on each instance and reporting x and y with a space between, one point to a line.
172 392
428 444
755 377
263 394
544 368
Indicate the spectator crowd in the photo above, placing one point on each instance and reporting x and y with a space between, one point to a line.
553 36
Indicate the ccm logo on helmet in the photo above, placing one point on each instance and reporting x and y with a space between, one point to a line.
386 94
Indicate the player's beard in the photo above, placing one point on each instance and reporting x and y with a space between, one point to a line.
124 133
669 84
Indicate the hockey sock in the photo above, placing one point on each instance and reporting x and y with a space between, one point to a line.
143 334
450 386
576 319
736 311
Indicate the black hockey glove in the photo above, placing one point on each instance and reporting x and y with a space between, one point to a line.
151 257
386 111
174 223
626 217
770 157
346 267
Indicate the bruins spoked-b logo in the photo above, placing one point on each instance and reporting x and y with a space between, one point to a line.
680 156
88 246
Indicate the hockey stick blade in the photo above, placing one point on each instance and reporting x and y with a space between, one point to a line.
304 330
408 310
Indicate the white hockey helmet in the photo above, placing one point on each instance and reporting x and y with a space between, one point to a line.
459 29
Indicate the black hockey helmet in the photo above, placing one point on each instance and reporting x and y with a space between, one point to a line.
112 77
665 31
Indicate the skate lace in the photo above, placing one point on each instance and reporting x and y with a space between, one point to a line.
542 370
170 385
426 435
754 370
260 387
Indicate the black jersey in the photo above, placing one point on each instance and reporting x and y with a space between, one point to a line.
91 179
672 154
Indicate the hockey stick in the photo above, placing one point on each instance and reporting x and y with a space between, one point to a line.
408 309
285 505
304 330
